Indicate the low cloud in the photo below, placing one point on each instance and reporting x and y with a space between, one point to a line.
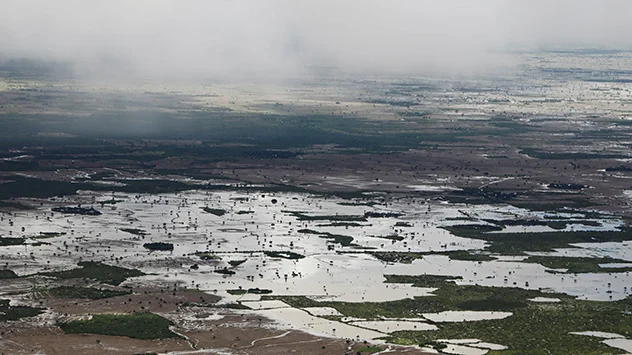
277 38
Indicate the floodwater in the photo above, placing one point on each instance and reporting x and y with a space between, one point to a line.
599 334
624 344
254 223
294 318
611 339
468 346
545 299
322 311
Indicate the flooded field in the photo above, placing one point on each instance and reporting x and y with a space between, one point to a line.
256 249
337 214
297 244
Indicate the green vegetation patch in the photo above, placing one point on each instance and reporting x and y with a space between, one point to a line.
448 296
135 231
480 195
284 255
554 224
518 243
358 203
17 206
577 265
113 275
341 224
543 202
235 263
393 237
422 280
466 230
8 312
396 257
245 212
215 211
7 274
224 271
135 325
32 187
343 240
47 235
85 292
205 255
465 255
159 246
111 201
534 328
620 168
382 215
538 329
8 241
85 211
404 308
472 297
334 218
256 291
237 292
409 257
460 218
212 305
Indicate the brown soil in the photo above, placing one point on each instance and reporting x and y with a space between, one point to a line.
226 337
237 332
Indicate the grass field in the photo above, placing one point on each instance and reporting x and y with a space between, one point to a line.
135 325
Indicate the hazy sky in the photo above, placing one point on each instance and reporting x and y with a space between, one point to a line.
232 38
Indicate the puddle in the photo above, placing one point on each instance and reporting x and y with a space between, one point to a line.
463 350
545 299
489 346
599 334
623 344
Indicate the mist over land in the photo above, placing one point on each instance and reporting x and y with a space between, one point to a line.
319 177
242 40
